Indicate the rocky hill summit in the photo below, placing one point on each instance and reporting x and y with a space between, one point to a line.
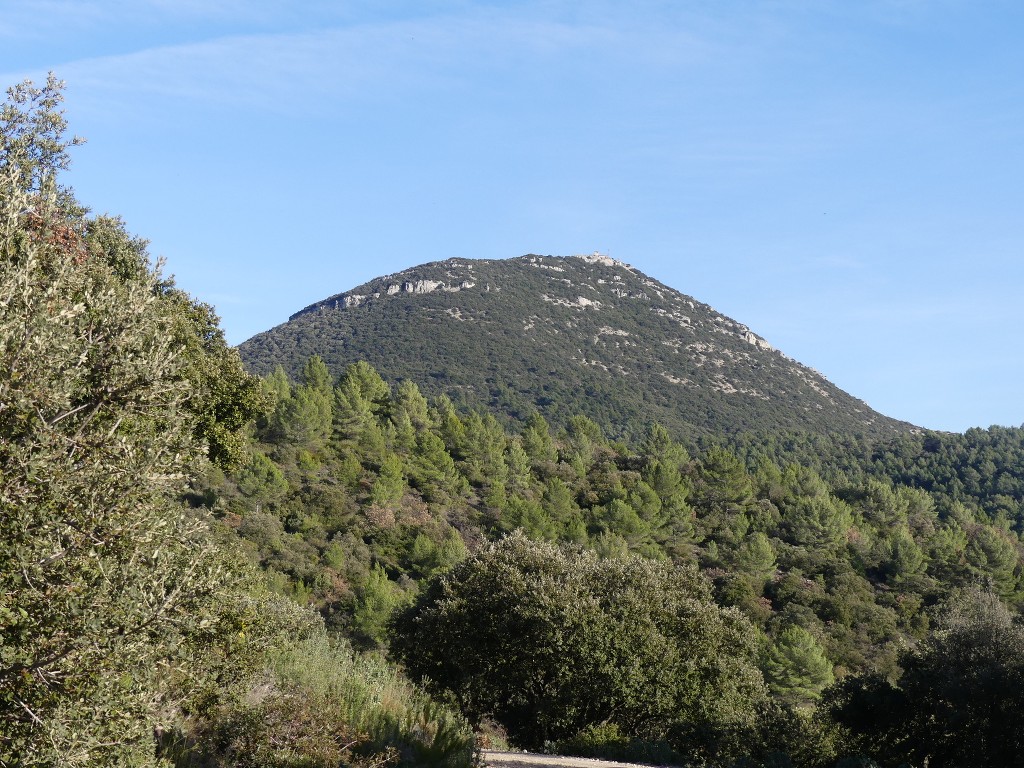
566 335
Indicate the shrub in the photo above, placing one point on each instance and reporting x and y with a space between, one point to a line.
548 640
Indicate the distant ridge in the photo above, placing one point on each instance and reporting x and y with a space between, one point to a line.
566 335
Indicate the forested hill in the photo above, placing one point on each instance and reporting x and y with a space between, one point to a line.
567 336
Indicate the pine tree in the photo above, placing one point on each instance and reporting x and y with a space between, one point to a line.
796 668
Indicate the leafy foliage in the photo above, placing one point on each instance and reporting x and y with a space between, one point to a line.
546 641
125 628
104 578
958 700
606 741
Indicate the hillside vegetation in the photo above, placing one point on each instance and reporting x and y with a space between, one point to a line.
201 568
582 335
358 494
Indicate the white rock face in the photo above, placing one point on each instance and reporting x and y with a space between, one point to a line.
552 267
421 286
677 380
751 338
427 286
582 302
600 258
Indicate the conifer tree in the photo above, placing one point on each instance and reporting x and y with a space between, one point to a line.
537 440
796 668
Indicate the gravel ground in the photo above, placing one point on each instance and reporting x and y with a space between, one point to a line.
529 760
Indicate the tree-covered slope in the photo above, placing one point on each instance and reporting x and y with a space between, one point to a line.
578 335
362 498
356 491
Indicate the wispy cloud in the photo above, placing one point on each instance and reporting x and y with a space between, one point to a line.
24 15
394 58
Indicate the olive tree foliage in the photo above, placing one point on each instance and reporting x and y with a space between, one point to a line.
224 398
32 141
107 584
547 640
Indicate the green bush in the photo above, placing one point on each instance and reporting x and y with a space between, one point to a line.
607 742
547 640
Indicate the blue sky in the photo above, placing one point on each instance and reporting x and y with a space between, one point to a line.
845 177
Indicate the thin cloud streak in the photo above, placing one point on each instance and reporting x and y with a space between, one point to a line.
404 54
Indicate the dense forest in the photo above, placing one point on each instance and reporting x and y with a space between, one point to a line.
199 567
359 497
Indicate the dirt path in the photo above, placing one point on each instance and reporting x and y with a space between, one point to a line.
529 760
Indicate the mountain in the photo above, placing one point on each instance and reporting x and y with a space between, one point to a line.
567 335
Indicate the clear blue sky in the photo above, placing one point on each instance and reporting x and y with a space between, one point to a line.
846 177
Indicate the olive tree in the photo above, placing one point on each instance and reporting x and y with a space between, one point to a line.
108 586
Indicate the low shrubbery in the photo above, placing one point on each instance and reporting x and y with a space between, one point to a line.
318 702
607 742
